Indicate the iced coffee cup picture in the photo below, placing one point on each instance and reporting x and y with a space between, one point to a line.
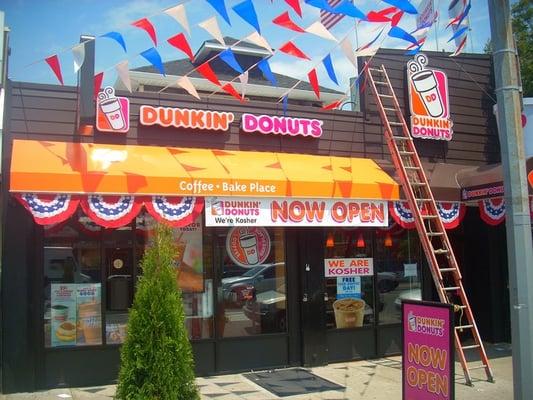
249 245
113 112
349 313
90 322
59 312
425 83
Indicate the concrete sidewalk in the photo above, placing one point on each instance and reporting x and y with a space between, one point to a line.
378 379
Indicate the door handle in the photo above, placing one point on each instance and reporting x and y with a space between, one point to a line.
304 298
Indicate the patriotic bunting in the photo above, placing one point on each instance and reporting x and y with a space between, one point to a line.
328 17
88 227
328 65
320 30
260 41
207 73
48 209
284 20
179 41
211 26
229 58
111 211
53 62
267 72
175 211
186 84
179 14
220 7
295 5
403 5
401 213
291 49
78 54
146 26
313 80
451 213
117 37
246 11
492 211
153 57
123 72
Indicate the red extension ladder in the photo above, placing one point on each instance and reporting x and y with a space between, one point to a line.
441 259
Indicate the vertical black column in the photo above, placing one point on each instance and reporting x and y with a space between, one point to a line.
86 103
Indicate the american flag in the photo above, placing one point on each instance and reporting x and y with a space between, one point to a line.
328 19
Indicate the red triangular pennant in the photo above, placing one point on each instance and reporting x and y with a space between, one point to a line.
291 49
387 11
53 62
373 16
285 21
147 26
332 106
313 80
98 78
180 42
295 5
228 88
395 20
208 73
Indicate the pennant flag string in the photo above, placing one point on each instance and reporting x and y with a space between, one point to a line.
153 57
98 79
180 15
403 5
244 82
284 20
123 73
220 7
117 37
78 53
180 42
53 62
291 49
295 5
146 26
208 73
313 81
267 72
186 84
229 58
246 11
211 26
328 65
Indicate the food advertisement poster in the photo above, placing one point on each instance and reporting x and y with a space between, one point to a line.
248 247
428 352
349 287
189 258
89 307
226 211
63 314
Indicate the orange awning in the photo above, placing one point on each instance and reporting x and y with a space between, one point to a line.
57 167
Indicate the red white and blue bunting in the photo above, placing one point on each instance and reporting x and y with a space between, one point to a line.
48 209
111 211
492 211
451 214
175 211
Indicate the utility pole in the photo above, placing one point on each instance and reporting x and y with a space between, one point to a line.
518 225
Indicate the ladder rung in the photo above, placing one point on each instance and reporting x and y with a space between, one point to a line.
464 326
389 109
385 95
447 269
406 153
381 83
450 288
477 367
440 251
456 306
418 183
401 138
395 123
435 234
376 69
413 168
474 346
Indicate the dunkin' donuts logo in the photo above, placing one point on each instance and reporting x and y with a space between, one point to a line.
425 325
112 112
428 100
248 246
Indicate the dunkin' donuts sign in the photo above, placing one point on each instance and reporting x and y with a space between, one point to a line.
428 101
248 246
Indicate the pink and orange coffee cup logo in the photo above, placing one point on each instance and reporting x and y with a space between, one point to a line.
428 100
248 246
112 112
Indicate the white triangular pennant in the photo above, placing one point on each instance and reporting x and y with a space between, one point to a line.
78 53
320 30
186 84
179 14
123 72
347 49
244 82
368 52
211 26
260 41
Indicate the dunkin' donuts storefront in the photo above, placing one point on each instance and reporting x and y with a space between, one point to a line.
292 249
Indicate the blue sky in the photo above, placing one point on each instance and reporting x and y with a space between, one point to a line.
40 28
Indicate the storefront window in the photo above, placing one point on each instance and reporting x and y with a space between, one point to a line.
72 284
252 297
398 257
350 296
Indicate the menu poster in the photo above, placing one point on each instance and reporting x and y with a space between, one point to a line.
88 298
189 258
63 314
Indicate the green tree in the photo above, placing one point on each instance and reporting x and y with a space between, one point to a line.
156 358
522 13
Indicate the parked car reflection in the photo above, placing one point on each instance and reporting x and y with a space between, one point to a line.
268 310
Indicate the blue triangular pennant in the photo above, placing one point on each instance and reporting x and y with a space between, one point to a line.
116 37
153 57
349 9
397 32
465 14
246 11
267 72
285 102
458 33
220 8
329 68
229 58
403 5
322 4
